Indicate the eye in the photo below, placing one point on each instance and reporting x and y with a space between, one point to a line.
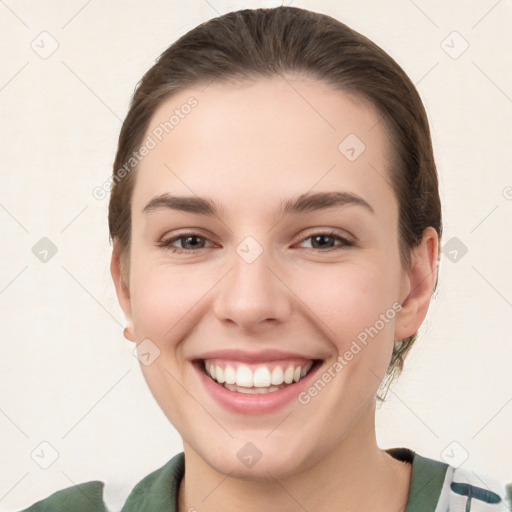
323 241
327 241
190 242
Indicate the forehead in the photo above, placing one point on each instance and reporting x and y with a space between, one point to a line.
265 140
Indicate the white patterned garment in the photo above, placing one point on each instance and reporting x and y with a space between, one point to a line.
466 491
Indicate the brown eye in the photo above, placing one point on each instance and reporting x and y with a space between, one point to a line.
189 242
322 241
327 241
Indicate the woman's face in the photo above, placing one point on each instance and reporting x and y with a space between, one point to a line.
265 246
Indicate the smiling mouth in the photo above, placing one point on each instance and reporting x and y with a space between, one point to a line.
256 379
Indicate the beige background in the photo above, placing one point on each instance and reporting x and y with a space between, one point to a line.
68 376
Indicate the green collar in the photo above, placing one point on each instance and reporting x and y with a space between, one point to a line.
427 480
159 490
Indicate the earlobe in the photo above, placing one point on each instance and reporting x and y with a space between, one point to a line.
122 290
128 334
418 285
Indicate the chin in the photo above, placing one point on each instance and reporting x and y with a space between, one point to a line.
258 461
264 470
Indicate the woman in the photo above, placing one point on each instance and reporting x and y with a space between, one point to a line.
276 226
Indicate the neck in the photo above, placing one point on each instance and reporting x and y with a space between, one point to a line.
356 475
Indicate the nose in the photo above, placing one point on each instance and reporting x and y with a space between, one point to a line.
253 295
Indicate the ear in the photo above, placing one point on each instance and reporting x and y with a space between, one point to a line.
417 285
122 290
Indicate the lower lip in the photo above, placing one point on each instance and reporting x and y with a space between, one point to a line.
245 403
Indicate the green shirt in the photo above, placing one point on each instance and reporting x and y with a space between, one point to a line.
435 487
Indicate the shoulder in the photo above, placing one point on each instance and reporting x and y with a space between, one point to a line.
156 491
159 490
446 488
82 497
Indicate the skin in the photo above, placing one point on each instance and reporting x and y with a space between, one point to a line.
248 146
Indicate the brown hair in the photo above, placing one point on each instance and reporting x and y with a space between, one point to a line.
253 43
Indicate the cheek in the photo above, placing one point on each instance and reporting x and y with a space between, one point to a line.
347 298
354 306
163 298
342 300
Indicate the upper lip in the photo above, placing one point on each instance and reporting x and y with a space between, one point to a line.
252 357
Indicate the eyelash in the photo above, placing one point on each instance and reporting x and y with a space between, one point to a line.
166 244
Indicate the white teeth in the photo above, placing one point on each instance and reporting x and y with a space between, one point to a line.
306 368
244 380
219 372
242 389
229 375
244 376
262 377
288 375
252 391
277 376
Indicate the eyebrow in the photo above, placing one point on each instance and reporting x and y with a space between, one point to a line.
304 203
